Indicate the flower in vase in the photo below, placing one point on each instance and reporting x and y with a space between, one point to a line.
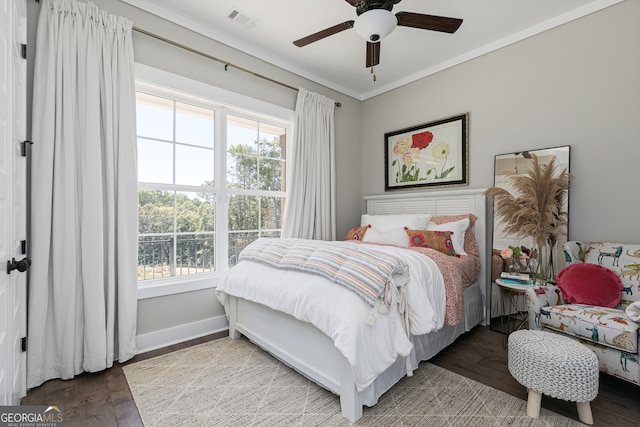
506 253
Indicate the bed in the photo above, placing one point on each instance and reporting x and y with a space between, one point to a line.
319 359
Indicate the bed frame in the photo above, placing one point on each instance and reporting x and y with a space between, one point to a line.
318 359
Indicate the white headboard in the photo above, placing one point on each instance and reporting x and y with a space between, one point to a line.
445 203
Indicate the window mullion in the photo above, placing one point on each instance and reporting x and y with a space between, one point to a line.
222 195
174 249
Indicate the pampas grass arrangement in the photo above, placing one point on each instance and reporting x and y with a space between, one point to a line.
535 210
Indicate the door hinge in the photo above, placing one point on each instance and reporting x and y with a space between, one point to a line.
23 50
23 147
23 344
23 247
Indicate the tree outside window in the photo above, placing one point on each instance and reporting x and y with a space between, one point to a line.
178 192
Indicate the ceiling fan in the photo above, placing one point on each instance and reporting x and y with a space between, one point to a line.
375 21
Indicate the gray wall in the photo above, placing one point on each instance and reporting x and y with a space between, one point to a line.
156 314
577 85
164 56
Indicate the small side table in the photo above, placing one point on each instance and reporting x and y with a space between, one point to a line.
517 317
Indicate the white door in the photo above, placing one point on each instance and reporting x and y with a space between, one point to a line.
13 34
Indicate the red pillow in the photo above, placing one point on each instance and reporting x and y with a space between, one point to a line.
590 284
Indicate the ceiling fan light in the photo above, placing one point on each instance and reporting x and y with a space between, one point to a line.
375 24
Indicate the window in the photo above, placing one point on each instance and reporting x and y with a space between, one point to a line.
197 208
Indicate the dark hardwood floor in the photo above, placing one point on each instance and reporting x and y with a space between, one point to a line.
104 399
479 355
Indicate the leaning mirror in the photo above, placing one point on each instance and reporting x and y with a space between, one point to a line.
508 304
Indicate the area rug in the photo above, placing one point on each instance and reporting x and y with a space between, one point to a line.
235 383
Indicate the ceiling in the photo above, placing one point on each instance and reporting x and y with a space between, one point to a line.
269 27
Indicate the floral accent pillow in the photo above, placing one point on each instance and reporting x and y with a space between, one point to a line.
356 233
438 240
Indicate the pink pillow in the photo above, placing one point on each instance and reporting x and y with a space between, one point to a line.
590 284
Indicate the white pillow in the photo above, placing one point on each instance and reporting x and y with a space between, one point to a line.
386 223
397 237
459 228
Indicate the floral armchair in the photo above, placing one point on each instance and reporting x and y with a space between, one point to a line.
608 331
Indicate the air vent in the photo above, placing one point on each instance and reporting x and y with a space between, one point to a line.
242 18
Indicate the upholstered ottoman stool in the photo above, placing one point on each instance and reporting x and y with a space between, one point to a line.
547 363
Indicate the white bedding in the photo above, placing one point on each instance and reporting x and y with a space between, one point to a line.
343 315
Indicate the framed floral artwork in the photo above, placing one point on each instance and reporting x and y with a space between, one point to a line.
433 154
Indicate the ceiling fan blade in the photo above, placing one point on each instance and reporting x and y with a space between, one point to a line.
428 22
354 3
324 33
373 54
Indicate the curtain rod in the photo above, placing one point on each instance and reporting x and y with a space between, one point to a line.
213 58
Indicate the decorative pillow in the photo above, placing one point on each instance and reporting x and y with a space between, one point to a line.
589 284
470 245
396 237
438 240
457 229
386 223
356 233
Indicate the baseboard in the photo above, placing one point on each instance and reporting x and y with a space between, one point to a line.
177 334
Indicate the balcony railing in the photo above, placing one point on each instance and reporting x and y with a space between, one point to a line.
237 242
159 258
164 256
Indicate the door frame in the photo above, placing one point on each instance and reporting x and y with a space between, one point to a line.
13 298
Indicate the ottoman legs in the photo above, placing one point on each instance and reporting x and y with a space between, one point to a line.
533 403
584 412
534 400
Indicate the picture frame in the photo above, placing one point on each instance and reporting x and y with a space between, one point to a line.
434 154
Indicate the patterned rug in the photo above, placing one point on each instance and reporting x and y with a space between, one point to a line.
235 383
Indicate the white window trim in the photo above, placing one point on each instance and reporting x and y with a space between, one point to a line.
170 81
234 104
177 285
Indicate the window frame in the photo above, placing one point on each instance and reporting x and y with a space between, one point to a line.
161 83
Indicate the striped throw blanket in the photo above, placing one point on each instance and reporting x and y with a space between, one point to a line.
368 273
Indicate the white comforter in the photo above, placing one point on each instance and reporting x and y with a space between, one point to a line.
343 315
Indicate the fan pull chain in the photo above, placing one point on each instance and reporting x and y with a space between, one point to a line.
374 74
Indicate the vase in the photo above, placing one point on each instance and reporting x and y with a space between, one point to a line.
545 271
514 266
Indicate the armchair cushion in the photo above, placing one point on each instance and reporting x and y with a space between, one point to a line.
591 284
600 325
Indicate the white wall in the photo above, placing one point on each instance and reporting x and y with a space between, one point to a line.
577 85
